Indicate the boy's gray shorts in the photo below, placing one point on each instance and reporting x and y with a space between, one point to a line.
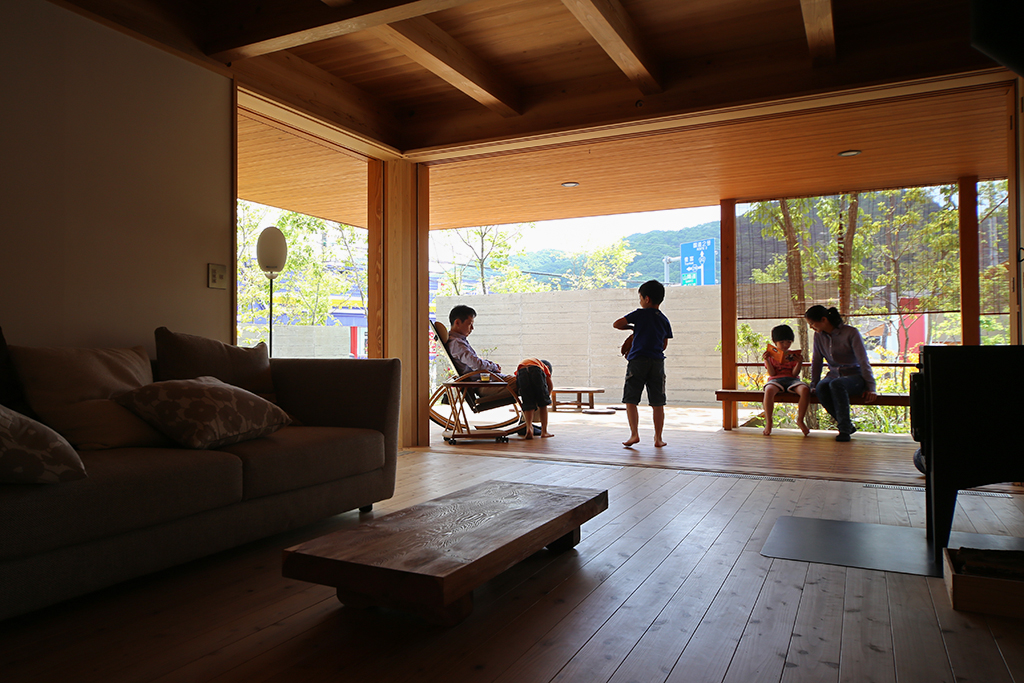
645 372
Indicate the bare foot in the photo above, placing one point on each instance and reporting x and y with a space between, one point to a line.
658 443
630 441
767 431
529 434
805 429
546 435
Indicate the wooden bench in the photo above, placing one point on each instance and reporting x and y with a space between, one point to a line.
732 396
579 402
428 558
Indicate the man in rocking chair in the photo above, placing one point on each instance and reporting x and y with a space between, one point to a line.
460 320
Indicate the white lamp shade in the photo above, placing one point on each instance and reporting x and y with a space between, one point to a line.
271 251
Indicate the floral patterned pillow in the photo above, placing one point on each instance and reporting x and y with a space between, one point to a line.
32 453
204 412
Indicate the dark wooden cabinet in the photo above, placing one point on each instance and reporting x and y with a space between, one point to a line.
966 409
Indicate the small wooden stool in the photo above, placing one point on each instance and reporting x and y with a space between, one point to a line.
579 402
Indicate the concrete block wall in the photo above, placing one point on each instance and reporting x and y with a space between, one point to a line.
574 331
310 341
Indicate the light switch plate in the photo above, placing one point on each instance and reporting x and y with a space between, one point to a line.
217 275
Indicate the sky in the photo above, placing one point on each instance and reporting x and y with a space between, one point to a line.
585 234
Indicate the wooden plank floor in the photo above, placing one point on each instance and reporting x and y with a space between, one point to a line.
696 442
667 585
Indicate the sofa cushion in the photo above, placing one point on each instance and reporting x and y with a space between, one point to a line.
204 412
187 356
127 488
32 453
70 390
296 457
11 394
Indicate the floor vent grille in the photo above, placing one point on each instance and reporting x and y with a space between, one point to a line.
893 487
732 475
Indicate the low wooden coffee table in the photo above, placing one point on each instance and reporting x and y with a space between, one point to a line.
580 402
428 558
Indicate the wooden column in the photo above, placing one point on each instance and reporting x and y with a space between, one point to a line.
729 311
1015 187
970 291
375 259
397 303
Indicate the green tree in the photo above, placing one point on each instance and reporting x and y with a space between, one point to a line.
917 254
790 222
325 262
490 258
490 247
312 275
253 287
601 268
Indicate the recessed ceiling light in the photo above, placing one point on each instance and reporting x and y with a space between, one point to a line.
849 153
570 183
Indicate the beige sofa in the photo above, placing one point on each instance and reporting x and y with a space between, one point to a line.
140 509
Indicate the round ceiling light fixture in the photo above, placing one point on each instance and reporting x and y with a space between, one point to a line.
570 183
849 153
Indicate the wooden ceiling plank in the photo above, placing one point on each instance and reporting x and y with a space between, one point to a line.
821 35
425 43
298 83
271 27
613 29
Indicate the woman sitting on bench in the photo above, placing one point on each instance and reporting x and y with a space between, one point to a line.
849 372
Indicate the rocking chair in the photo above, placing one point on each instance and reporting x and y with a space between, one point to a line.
447 404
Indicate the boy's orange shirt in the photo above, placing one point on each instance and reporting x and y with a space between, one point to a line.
526 362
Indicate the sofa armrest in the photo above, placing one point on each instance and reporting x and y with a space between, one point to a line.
342 392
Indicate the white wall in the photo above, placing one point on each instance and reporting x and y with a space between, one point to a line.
574 331
117 185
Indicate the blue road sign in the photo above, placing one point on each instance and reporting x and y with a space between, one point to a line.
697 262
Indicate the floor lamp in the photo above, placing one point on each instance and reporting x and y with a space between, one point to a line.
272 254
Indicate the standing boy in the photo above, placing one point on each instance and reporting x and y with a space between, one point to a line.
533 376
646 360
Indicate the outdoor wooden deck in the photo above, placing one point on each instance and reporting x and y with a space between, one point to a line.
667 585
697 442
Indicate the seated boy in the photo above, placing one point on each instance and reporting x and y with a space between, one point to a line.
533 377
783 376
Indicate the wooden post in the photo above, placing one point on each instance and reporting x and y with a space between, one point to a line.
1015 188
970 290
729 311
398 283
375 258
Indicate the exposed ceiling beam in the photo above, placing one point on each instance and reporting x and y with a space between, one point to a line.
425 43
821 35
613 29
296 82
277 25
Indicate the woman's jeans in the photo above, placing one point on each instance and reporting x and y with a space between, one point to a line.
834 393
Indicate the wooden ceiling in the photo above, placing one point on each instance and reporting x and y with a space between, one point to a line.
630 97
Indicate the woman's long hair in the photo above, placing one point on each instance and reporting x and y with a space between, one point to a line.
818 312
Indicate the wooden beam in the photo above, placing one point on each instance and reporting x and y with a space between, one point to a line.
970 288
613 29
296 82
281 24
728 298
425 43
821 35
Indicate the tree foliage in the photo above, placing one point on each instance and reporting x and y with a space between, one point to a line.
601 268
325 271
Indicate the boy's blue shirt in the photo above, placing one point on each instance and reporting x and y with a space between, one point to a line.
650 330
